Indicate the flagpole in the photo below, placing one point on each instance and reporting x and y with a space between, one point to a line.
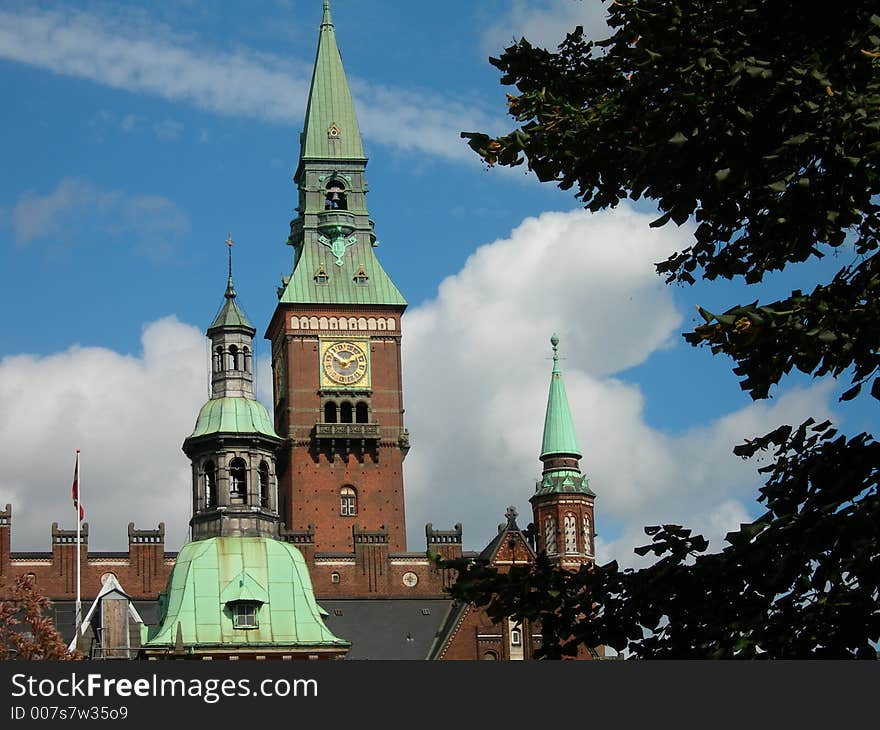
78 545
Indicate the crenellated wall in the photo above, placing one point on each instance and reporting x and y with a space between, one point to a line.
142 570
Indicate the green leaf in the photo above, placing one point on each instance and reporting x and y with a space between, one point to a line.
678 138
852 392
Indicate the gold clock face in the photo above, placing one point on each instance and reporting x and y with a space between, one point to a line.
345 363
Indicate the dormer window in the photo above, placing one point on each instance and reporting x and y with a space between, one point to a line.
244 615
361 277
321 276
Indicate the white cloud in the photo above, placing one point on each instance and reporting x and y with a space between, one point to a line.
128 415
152 222
476 369
545 23
477 374
238 82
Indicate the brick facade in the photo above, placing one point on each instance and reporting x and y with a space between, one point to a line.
313 469
143 569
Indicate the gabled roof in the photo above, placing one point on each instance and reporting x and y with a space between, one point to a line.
109 586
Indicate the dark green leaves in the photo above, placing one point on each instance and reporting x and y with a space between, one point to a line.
759 121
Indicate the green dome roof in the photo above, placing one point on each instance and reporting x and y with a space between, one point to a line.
212 574
233 415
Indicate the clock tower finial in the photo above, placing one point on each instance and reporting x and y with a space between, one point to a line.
230 288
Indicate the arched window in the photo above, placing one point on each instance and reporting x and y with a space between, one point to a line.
335 199
490 656
233 358
570 533
246 356
361 413
210 485
238 480
330 412
588 536
347 502
345 413
218 360
264 484
550 535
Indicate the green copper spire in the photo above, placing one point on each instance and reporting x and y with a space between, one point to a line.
333 236
559 436
331 129
230 314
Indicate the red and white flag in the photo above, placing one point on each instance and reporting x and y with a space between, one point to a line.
75 490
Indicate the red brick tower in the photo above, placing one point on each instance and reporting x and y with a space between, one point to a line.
336 341
563 501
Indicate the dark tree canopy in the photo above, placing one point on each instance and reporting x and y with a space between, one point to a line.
759 121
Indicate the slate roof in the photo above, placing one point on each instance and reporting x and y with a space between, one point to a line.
390 628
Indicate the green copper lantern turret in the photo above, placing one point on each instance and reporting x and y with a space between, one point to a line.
562 504
232 447
560 452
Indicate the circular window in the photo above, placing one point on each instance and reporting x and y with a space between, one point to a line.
410 579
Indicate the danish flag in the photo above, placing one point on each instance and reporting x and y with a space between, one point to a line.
75 490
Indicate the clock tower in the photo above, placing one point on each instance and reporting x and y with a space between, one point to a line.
335 338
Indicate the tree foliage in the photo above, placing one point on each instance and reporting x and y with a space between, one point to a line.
25 633
760 122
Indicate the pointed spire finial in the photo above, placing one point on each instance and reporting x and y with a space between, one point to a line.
326 20
230 289
559 437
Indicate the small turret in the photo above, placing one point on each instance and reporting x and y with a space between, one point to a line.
563 501
232 447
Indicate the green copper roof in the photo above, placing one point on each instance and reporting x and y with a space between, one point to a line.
559 435
331 128
230 314
306 286
211 575
564 481
233 415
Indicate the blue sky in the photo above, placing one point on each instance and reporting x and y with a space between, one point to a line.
137 135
